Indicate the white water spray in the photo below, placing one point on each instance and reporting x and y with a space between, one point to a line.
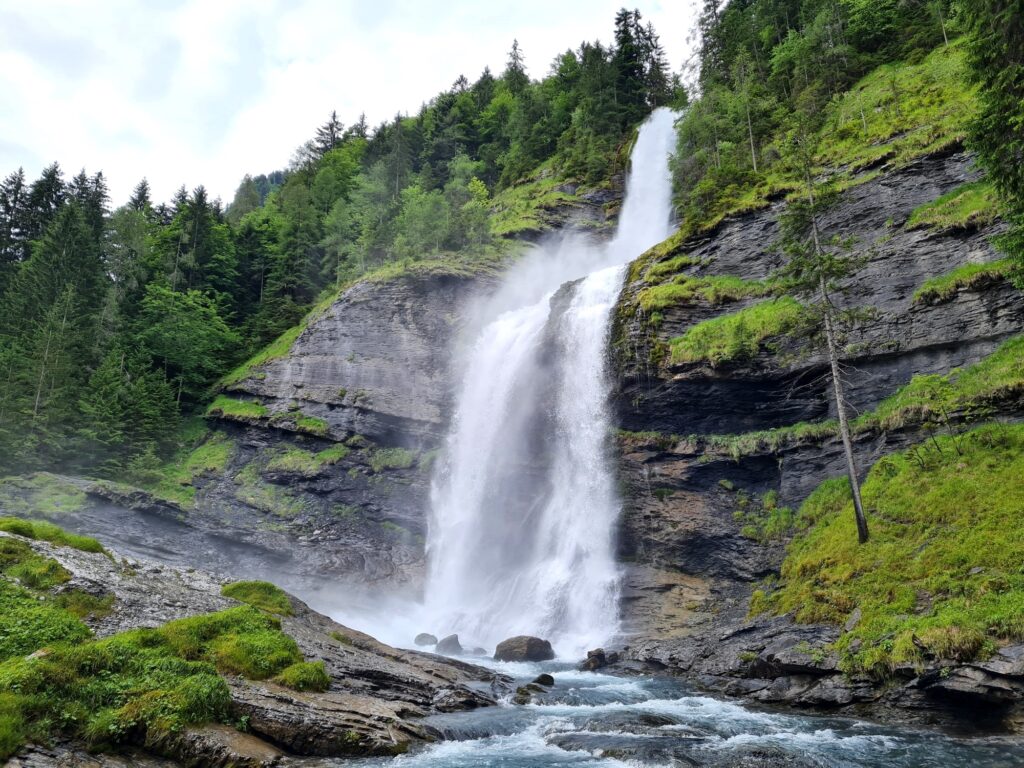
524 508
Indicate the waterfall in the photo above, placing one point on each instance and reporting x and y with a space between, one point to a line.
524 502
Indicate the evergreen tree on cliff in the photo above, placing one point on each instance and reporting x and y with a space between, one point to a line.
996 56
816 266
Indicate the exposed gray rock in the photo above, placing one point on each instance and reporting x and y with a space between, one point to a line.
425 638
597 659
449 646
524 648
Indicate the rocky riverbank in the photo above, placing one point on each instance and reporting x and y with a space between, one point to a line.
373 704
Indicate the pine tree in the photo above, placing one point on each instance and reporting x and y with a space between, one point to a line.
140 199
359 129
515 76
996 59
328 135
816 265
628 61
13 244
657 81
45 198
247 199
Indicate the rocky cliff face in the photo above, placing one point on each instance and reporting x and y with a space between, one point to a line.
369 382
690 568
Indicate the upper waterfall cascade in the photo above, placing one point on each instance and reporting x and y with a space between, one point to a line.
524 504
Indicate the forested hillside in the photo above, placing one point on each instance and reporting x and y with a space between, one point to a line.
116 321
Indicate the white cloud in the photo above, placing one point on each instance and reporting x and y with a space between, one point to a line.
199 92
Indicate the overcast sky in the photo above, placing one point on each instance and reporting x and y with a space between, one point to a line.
204 91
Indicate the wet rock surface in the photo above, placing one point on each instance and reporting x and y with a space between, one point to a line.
376 697
524 648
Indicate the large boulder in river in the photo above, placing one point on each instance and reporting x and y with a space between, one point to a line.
524 648
425 638
449 646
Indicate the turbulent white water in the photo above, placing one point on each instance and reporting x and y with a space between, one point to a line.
524 505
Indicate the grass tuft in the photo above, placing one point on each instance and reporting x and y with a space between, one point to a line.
944 288
305 676
233 408
736 336
261 594
970 206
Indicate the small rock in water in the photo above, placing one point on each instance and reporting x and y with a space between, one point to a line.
524 648
449 646
596 659
544 679
425 638
477 651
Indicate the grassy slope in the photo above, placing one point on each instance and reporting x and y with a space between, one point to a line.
909 110
139 684
941 576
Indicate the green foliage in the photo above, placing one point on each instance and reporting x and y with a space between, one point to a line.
739 335
261 594
137 685
936 290
233 408
20 562
391 458
201 453
761 518
714 290
185 333
304 676
971 391
995 56
30 624
278 348
934 401
873 98
769 440
84 605
524 207
969 206
941 574
910 110
306 463
43 531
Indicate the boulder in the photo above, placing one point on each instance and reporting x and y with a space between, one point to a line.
596 659
546 680
524 648
425 638
449 646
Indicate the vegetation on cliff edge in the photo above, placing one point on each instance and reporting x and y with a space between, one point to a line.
940 578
